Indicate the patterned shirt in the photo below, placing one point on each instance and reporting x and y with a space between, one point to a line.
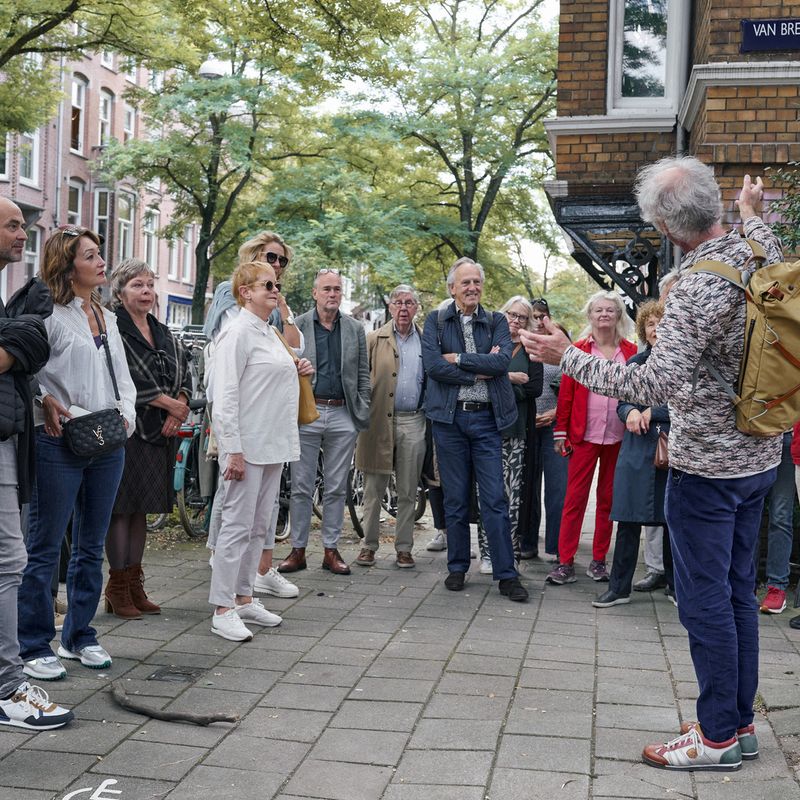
705 317
477 392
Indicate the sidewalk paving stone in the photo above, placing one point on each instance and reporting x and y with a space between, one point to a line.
377 748
328 779
157 760
538 785
536 752
377 715
447 767
442 734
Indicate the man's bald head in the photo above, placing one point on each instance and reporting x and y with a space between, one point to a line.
12 232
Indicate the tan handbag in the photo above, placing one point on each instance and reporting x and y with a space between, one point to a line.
661 458
307 407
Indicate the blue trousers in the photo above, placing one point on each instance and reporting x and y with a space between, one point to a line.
713 526
472 445
86 488
780 505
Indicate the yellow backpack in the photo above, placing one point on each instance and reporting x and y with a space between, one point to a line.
767 395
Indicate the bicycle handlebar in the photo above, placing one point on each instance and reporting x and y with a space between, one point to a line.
197 404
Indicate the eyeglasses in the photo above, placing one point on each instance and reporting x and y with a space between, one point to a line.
328 271
538 317
404 303
70 230
268 285
271 258
514 317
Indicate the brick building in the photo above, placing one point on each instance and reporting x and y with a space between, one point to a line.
641 79
49 174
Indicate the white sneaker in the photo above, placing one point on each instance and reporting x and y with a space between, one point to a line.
439 542
48 668
30 707
486 566
255 613
92 656
211 559
230 626
275 584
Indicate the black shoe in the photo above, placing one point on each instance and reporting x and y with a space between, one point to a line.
609 598
794 622
454 581
513 590
651 581
670 592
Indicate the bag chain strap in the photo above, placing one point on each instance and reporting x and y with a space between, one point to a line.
104 340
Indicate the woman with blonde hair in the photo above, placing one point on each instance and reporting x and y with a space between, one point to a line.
588 432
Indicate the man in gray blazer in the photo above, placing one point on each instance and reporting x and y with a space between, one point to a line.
337 347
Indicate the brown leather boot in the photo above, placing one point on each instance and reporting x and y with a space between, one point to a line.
296 560
334 562
138 595
118 595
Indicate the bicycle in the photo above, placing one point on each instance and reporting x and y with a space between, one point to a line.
284 527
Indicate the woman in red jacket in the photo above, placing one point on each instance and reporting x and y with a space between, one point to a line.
588 431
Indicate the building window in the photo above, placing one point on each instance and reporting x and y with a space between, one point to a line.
78 120
188 254
155 82
29 158
106 116
30 256
129 124
150 236
125 203
172 272
129 69
648 42
4 157
101 219
107 58
75 203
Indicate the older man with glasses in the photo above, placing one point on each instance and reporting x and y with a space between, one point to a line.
337 347
395 439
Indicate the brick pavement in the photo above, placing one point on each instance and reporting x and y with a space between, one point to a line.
384 686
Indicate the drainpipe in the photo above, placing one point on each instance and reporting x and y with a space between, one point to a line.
59 146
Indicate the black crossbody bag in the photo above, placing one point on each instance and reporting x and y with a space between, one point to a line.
101 431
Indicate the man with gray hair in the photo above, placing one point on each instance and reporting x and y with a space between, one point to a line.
395 439
719 476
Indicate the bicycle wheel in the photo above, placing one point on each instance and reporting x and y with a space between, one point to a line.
193 508
355 499
319 490
284 527
156 521
389 502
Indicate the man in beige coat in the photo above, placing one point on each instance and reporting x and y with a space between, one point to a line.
395 439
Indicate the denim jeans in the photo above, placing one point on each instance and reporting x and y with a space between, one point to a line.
86 488
472 445
780 504
713 529
553 467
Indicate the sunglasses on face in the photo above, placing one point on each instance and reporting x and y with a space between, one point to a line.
268 285
71 230
272 258
514 317
540 301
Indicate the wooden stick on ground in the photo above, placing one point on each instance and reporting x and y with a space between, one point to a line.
125 701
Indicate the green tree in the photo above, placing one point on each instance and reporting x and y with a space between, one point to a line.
787 228
37 33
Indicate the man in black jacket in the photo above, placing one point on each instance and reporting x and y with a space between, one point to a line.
23 351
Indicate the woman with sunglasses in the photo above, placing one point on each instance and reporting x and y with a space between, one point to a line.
160 372
526 381
255 405
77 376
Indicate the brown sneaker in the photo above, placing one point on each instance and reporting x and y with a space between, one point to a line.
366 558
334 562
296 560
405 560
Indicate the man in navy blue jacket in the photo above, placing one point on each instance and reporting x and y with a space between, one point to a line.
469 399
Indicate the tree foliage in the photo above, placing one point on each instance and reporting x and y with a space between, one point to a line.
787 228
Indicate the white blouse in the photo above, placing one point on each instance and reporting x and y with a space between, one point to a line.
77 372
256 393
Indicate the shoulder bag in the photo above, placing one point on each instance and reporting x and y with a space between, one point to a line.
100 432
661 457
307 407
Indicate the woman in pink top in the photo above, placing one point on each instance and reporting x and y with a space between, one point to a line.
588 431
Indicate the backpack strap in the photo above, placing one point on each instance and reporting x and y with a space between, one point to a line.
723 270
759 252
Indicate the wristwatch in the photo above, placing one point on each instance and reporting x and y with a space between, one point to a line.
458 359
289 320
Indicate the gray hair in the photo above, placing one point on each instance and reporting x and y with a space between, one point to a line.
679 194
404 288
451 276
666 283
624 322
125 272
525 303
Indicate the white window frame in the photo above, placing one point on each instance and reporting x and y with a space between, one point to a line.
101 223
172 259
80 92
155 80
107 58
678 23
30 256
33 180
5 158
188 254
105 115
128 123
75 216
150 240
125 226
130 69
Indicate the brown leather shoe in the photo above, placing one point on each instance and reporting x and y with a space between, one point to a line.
295 561
405 560
334 562
366 558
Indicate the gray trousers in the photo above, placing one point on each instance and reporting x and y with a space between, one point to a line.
653 548
246 514
409 454
335 435
13 558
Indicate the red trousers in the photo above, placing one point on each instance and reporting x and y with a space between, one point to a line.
585 456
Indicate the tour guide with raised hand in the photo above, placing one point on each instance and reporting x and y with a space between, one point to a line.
719 476
469 400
